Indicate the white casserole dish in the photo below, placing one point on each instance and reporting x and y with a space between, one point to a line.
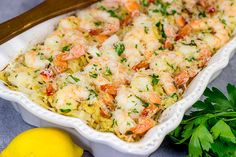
98 143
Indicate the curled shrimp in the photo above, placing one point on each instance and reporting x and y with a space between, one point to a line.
74 53
60 65
184 76
68 98
132 6
109 88
144 124
220 34
36 59
98 22
150 97
168 83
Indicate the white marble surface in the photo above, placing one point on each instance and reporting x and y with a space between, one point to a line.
11 123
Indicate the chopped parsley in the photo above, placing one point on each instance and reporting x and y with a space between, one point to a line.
92 94
175 96
145 105
190 59
145 3
202 14
98 23
119 48
123 60
108 71
50 59
223 21
155 79
76 79
146 29
41 56
134 110
93 75
160 26
163 9
69 104
66 48
192 43
65 110
114 122
113 14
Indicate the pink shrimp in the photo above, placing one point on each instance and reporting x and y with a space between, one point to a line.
75 53
144 124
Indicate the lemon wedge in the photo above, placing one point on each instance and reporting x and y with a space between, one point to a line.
42 142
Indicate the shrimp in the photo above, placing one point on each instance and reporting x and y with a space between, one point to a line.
47 75
144 124
107 99
132 6
168 83
140 46
128 101
122 121
50 89
68 23
60 65
166 61
68 98
75 53
36 59
141 82
111 4
204 57
109 88
151 110
98 22
228 7
218 38
208 5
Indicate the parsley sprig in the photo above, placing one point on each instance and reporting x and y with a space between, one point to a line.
211 129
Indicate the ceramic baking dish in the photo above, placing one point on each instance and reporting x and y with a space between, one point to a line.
98 143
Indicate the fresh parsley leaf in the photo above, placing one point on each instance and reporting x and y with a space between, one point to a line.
222 130
210 130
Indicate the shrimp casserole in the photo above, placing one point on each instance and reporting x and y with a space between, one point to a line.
119 63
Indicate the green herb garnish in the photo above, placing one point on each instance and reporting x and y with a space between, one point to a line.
211 129
65 110
108 71
66 48
93 75
119 48
123 60
76 79
155 79
160 26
